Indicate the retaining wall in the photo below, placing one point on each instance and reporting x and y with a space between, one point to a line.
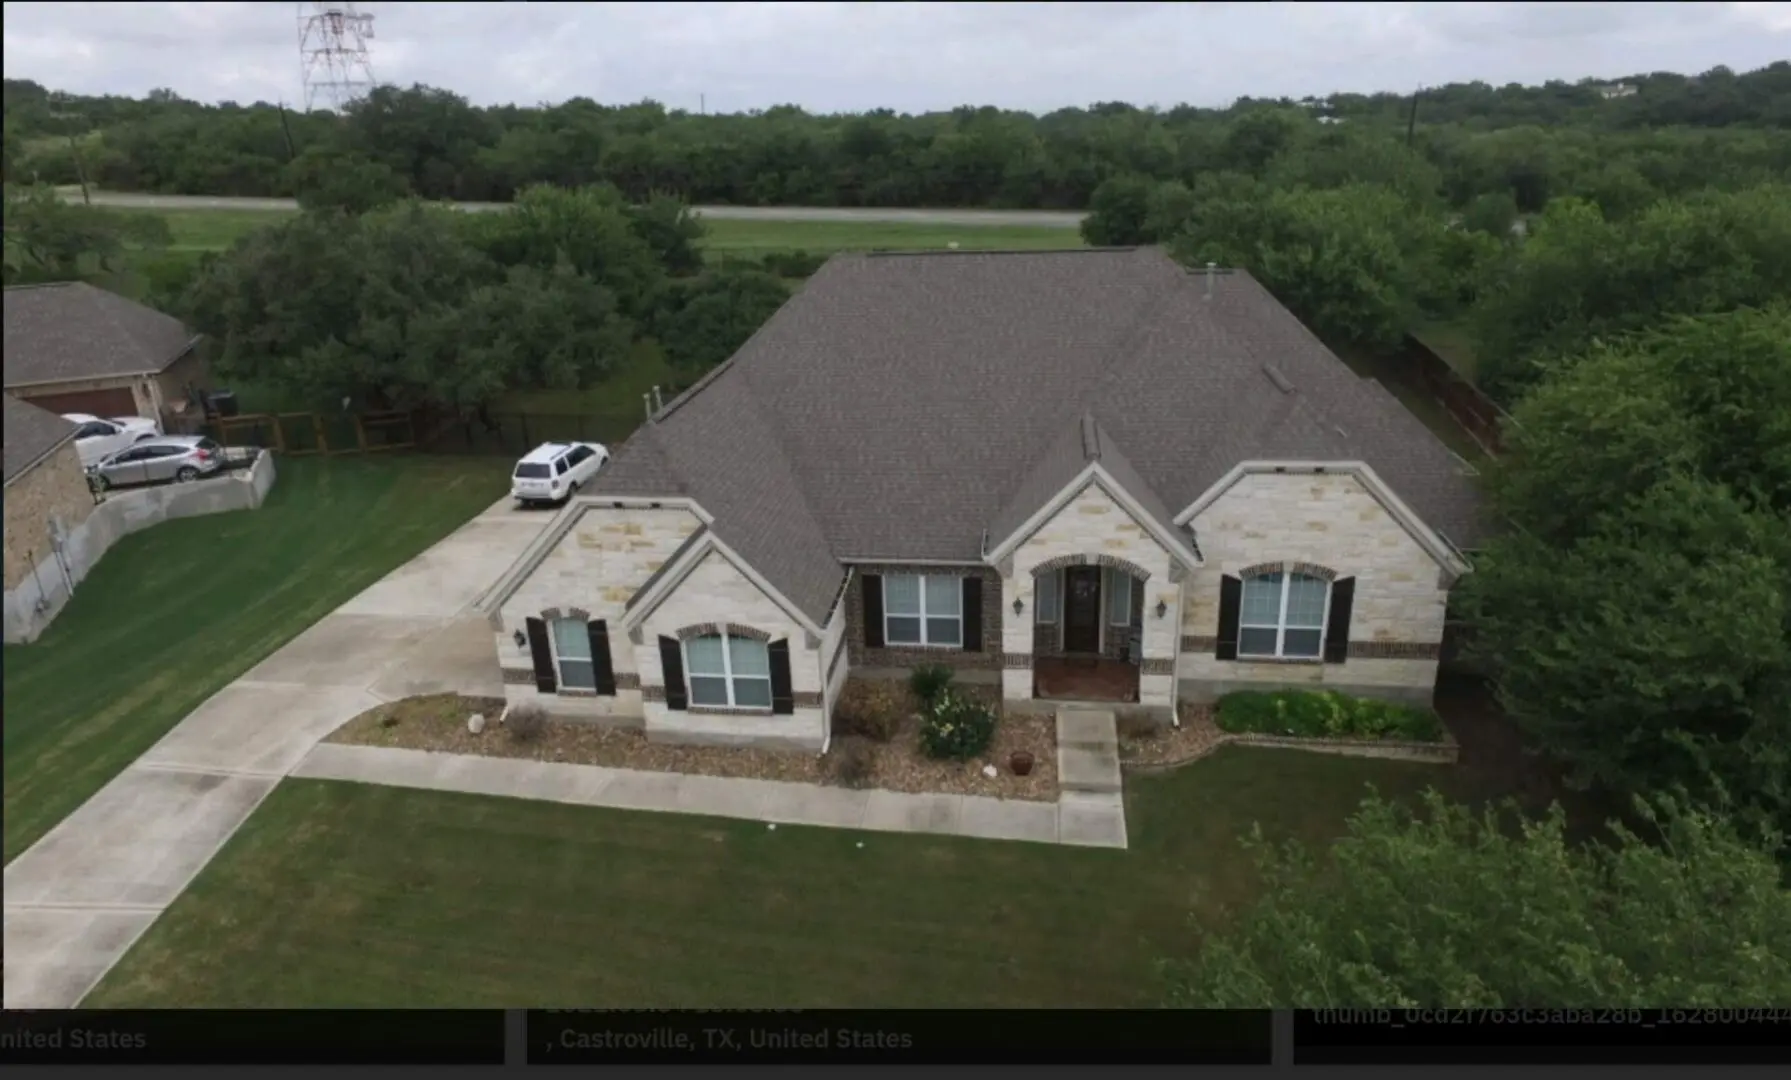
35 601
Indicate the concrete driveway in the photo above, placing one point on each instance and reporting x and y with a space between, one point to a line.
78 898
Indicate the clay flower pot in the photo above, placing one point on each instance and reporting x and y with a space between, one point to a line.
1021 762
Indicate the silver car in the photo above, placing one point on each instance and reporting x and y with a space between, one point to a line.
166 457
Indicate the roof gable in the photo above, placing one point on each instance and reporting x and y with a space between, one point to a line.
71 330
32 433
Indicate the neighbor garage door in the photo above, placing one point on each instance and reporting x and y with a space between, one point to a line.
114 402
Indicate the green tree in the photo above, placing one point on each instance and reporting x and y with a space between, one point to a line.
1339 259
671 231
592 230
1447 908
49 239
322 178
703 321
1118 212
1493 214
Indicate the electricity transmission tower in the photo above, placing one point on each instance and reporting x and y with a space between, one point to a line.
333 60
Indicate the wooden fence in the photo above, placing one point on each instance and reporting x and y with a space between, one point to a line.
298 434
1472 409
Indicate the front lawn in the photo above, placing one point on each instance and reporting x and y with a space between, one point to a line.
174 613
357 895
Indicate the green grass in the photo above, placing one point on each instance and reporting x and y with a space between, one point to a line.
1453 341
174 613
214 230
359 895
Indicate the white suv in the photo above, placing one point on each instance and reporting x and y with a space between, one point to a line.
553 472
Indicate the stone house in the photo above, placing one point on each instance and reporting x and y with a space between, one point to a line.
72 347
1077 474
47 498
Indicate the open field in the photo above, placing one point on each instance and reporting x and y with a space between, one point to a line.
174 613
358 895
215 230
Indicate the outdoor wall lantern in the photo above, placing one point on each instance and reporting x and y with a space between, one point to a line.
1019 605
1162 608
521 639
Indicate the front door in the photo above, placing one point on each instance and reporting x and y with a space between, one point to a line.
1082 609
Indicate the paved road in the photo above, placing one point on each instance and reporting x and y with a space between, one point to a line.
1050 219
80 897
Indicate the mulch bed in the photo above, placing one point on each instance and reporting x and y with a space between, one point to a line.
438 722
1161 747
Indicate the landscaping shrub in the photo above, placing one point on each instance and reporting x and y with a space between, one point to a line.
526 723
853 762
928 681
870 709
957 727
1324 714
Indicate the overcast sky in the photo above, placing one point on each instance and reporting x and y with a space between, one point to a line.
910 57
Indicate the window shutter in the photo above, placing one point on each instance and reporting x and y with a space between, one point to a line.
873 610
973 614
671 662
543 654
783 695
1231 604
1343 597
601 664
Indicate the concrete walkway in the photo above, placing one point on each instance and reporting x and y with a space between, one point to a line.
1091 821
78 898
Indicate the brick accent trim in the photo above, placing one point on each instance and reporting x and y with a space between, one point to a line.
1117 563
1262 568
652 693
696 630
1156 665
1061 561
627 680
1395 650
578 613
550 614
518 676
1314 570
711 710
1016 660
898 656
1194 643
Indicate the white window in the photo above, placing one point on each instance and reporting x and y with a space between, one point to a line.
728 672
1283 615
1044 602
923 610
572 654
1118 587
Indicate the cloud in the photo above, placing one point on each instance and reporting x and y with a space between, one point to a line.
910 57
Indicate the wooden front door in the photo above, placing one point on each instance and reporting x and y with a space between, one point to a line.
1082 609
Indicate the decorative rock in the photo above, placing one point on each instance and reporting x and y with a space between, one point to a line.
475 723
990 771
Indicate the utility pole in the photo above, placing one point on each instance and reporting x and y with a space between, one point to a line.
702 104
1411 123
286 129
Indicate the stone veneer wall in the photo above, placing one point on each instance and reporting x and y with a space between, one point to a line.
1331 525
55 489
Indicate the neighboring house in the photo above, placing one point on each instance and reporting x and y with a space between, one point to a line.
72 347
47 497
1085 473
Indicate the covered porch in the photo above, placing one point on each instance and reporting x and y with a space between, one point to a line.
1084 678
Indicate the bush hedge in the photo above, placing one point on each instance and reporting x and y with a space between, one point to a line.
1324 714
957 727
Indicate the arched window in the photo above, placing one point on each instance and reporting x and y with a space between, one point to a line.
727 671
1283 615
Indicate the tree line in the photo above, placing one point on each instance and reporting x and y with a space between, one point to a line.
1672 134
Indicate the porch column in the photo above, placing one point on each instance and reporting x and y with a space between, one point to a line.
1016 632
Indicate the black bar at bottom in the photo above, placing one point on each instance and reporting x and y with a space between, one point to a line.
1542 1036
919 1037
253 1037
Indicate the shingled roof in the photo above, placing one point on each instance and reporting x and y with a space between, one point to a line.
31 433
902 405
71 330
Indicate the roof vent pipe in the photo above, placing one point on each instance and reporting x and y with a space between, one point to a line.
647 403
1211 269
658 401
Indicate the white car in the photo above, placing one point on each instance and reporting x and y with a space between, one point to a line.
97 438
553 472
